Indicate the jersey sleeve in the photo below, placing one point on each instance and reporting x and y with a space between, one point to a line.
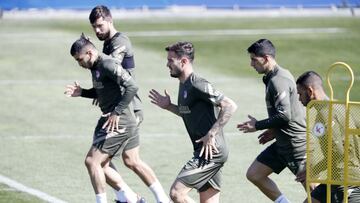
120 48
89 93
207 92
279 91
122 78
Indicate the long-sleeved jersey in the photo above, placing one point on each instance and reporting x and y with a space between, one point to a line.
112 86
286 115
120 48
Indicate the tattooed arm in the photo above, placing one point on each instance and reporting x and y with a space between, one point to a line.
227 109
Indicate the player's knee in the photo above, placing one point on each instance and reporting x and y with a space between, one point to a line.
176 196
88 162
252 176
131 163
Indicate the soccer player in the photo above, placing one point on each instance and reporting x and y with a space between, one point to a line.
204 111
116 131
310 87
285 123
118 45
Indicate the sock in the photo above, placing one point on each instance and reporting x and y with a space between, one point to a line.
120 196
101 198
159 192
281 199
127 194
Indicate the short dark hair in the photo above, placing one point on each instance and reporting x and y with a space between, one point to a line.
98 12
80 44
262 47
183 49
310 79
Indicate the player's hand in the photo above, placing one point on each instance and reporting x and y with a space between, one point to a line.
266 136
301 176
248 126
73 90
209 148
160 100
112 123
95 102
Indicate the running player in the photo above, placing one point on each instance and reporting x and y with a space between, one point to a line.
285 124
118 45
112 135
310 87
197 104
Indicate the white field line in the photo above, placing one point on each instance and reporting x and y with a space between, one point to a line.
213 32
143 81
227 32
20 187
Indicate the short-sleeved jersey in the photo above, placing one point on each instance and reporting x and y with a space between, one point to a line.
286 113
119 47
109 80
197 103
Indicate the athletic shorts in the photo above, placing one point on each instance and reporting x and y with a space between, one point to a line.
116 142
337 193
201 175
277 162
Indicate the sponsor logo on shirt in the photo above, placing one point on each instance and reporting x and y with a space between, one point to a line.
98 85
184 110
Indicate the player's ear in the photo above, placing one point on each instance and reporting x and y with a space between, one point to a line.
184 60
266 58
310 91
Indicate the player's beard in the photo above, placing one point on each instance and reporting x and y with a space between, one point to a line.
175 72
103 36
307 100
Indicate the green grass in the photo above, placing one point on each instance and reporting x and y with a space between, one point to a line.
45 136
10 195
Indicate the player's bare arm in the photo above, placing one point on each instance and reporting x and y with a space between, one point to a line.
163 102
227 109
248 126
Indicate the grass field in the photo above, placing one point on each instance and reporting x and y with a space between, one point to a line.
44 135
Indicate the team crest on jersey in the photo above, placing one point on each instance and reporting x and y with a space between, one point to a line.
185 94
97 74
318 129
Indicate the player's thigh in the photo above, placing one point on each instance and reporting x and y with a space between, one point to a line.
268 161
97 156
211 195
132 147
258 170
131 155
179 188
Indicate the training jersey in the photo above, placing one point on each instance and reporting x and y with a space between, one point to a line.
286 115
197 103
113 87
120 48
338 142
